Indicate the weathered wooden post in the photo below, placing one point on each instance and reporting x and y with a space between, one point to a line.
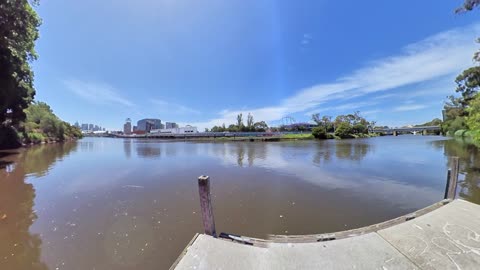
447 186
206 205
451 188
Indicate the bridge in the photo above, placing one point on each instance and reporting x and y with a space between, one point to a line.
396 131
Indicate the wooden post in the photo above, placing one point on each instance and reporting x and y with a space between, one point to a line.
447 186
206 205
452 188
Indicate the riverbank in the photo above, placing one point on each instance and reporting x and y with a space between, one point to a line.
11 139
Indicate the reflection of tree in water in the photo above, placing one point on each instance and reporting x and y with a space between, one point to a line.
323 151
469 156
239 150
352 150
148 151
250 151
19 249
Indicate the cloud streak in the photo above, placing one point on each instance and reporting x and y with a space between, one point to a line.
96 92
436 57
409 107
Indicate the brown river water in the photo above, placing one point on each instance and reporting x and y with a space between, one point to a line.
103 203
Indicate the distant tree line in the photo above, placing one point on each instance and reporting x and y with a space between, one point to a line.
250 126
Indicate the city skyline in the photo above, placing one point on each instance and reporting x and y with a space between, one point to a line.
255 57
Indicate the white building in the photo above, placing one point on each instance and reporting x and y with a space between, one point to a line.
181 130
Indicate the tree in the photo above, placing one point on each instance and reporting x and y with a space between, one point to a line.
468 5
19 30
344 130
260 126
233 128
319 133
468 84
473 118
240 121
250 122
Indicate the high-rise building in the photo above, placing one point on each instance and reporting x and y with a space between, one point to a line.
169 125
127 127
90 127
77 125
149 124
84 127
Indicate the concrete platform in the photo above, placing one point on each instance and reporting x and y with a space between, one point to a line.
446 238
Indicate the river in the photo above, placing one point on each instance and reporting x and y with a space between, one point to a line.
103 203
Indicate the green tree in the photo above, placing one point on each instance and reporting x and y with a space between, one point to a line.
18 30
344 130
233 128
260 126
240 121
473 118
319 133
250 122
468 84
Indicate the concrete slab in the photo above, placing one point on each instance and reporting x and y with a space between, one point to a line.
368 251
447 238
211 253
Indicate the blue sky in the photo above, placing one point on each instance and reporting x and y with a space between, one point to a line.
203 62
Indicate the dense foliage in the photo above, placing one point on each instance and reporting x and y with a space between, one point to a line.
251 126
462 111
319 133
344 126
41 124
18 31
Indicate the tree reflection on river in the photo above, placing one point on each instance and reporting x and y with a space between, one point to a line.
469 161
19 248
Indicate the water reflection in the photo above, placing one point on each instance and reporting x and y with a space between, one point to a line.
19 248
148 150
469 161
127 147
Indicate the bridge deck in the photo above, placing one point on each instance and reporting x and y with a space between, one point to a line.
446 238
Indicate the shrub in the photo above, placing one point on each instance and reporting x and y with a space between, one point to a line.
330 136
459 133
35 137
344 130
319 133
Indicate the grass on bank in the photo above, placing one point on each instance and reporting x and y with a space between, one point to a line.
302 136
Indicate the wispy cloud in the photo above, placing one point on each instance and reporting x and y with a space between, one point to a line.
172 108
96 92
436 57
370 112
306 39
410 107
347 106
